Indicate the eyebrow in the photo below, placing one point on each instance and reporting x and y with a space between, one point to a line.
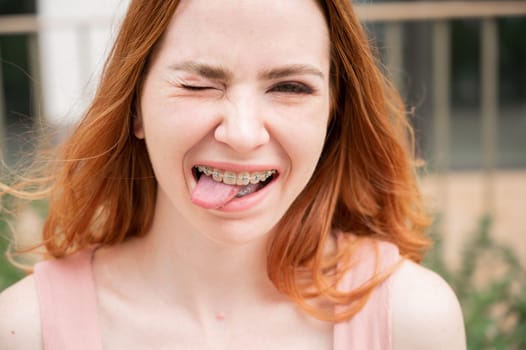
291 69
215 72
206 70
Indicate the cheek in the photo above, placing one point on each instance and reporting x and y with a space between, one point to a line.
176 126
170 119
312 146
306 136
303 142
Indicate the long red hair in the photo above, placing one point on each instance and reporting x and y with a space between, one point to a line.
365 184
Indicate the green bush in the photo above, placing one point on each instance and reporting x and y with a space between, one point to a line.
8 273
491 286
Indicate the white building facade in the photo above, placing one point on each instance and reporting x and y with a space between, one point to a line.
75 38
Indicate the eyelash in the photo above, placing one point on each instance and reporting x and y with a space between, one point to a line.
196 88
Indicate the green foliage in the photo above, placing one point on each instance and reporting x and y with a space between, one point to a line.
491 287
8 273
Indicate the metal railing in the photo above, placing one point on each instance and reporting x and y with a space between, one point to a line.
441 14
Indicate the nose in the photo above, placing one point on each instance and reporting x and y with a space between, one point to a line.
242 126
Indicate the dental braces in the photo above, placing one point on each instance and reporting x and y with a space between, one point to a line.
231 178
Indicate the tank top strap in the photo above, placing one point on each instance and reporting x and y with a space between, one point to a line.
371 327
68 302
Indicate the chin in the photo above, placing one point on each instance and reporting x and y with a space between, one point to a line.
238 233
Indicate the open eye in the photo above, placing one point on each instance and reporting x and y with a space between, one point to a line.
292 88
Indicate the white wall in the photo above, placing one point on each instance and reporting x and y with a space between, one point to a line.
72 55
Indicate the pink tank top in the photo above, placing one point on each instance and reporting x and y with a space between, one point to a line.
68 303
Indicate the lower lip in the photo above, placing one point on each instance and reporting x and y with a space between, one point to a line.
248 201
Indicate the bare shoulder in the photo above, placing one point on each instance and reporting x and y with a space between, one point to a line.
20 317
426 313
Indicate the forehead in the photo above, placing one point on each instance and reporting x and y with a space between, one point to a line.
253 30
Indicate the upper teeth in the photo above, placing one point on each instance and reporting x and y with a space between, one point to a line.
231 178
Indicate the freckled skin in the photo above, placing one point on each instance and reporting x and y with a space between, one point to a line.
264 100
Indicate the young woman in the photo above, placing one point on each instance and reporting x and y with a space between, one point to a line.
242 180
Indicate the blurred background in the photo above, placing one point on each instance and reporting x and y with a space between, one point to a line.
461 67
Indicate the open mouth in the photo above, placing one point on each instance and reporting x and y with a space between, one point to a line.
245 183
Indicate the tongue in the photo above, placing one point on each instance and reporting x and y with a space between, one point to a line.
211 194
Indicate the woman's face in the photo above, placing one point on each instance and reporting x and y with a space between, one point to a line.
234 111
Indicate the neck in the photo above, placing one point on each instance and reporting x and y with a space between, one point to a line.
209 280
